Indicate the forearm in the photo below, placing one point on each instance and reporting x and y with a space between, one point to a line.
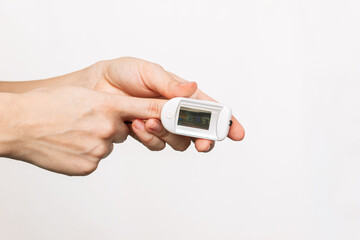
25 86
75 78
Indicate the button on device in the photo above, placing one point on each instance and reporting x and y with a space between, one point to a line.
169 115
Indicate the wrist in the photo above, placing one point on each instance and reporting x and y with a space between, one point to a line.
86 77
9 114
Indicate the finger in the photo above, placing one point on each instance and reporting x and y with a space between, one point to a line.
142 108
121 133
177 142
149 140
159 80
203 145
132 133
236 132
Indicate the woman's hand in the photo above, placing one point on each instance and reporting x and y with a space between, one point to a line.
69 129
138 78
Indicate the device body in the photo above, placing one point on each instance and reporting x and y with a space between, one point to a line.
196 118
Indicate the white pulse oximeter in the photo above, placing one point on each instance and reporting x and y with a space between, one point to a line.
196 118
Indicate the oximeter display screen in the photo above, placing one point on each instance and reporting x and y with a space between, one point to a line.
195 118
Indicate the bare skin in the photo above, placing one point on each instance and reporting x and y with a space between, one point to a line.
67 124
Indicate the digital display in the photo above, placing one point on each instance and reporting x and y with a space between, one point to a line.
194 118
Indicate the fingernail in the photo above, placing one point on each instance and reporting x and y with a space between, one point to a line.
138 125
155 127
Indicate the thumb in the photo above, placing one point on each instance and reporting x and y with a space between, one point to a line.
142 108
159 80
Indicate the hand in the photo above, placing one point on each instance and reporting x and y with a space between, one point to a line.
70 129
139 78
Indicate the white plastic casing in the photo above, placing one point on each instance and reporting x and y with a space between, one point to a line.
219 121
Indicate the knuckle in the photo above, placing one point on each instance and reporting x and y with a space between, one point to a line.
88 167
99 63
150 67
154 108
104 106
101 150
125 136
108 129
149 141
120 139
153 143
156 66
82 167
121 135
164 133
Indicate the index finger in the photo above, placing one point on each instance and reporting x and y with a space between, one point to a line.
138 108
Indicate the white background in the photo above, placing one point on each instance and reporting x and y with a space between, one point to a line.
289 69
